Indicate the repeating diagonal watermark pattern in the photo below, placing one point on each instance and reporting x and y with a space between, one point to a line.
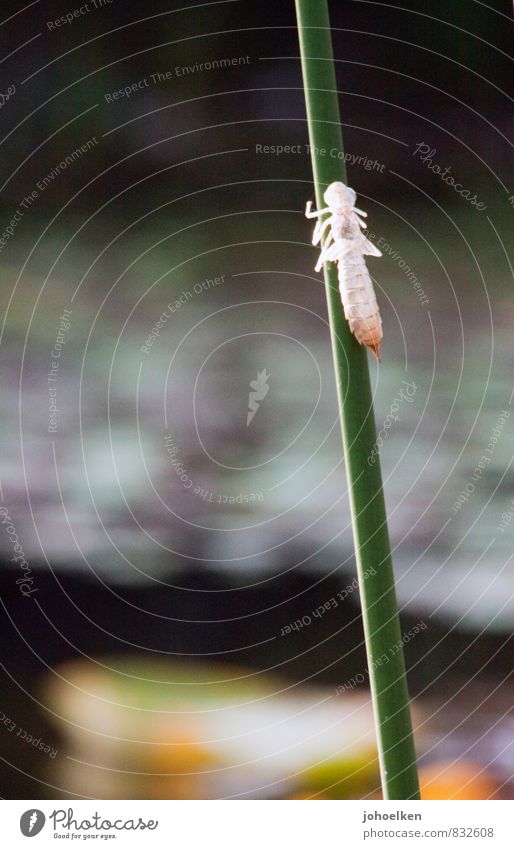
382 659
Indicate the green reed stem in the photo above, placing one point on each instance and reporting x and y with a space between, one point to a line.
383 637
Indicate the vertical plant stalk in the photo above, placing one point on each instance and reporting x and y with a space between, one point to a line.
373 552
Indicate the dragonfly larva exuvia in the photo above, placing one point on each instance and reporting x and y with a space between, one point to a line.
345 244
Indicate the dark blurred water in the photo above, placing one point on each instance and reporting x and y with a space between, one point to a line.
126 452
149 463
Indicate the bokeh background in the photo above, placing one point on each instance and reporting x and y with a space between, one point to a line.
181 618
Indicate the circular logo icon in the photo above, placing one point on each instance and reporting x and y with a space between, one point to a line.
31 822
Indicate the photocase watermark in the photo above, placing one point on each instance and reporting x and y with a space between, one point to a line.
197 489
5 97
18 216
258 390
92 827
426 156
333 153
32 822
383 659
483 463
179 71
52 378
322 609
36 742
26 583
65 163
404 394
30 199
65 820
411 277
506 517
174 306
78 12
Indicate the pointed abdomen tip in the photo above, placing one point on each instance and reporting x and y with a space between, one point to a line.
375 350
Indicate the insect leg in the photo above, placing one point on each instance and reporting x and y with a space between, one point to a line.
339 250
318 230
324 252
316 213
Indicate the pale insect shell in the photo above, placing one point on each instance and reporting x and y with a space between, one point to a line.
346 244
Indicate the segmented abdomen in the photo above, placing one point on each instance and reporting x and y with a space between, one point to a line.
359 301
